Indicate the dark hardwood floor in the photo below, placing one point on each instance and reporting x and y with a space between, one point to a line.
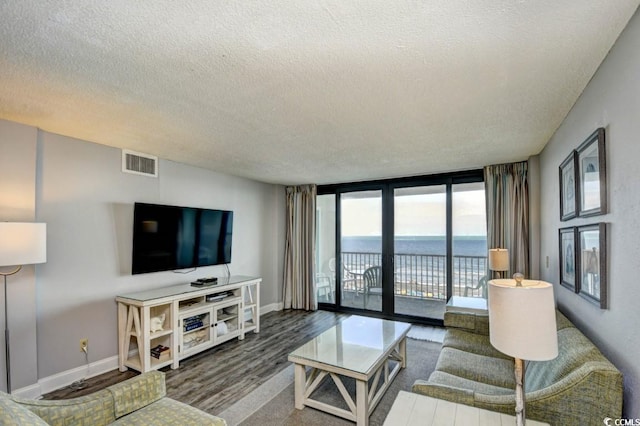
215 379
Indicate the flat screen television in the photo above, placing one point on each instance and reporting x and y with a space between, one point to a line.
169 237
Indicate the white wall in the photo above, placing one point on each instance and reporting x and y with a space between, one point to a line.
611 100
87 203
18 204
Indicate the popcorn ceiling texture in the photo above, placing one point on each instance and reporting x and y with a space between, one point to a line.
305 92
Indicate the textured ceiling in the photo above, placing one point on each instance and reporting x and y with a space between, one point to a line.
319 91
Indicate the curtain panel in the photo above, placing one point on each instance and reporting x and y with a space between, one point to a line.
299 256
507 196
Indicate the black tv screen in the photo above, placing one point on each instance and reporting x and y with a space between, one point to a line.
170 237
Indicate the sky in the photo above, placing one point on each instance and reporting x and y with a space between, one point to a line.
416 215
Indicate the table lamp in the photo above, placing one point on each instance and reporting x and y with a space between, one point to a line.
499 259
20 244
522 324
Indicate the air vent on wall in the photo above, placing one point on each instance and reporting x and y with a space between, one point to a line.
139 164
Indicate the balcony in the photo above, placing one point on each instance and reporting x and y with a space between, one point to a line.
420 282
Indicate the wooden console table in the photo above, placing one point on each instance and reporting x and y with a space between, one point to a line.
183 320
412 409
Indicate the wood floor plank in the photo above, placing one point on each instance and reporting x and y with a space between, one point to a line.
215 379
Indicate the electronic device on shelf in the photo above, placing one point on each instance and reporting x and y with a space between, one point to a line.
215 298
201 282
218 296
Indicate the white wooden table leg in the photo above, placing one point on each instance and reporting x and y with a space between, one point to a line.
144 344
256 313
362 403
175 337
403 352
123 336
300 381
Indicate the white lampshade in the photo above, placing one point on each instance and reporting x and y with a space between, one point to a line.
522 320
499 259
22 243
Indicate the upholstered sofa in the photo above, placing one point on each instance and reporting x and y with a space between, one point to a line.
579 387
139 401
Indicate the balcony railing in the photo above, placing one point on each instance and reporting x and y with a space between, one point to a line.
421 276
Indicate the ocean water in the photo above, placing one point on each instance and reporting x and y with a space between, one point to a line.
420 267
462 245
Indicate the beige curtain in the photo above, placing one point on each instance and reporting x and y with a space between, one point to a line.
507 193
299 255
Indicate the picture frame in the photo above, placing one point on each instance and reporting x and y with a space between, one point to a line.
567 238
569 187
592 263
591 175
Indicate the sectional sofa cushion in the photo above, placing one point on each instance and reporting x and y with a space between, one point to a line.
14 414
579 387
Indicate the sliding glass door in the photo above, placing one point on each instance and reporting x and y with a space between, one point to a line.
361 249
402 248
420 250
326 248
469 231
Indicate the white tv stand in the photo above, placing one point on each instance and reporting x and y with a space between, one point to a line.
195 319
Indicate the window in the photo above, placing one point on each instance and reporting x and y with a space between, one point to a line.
401 248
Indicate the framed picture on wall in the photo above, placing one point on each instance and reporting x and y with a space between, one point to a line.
567 237
592 176
568 187
592 263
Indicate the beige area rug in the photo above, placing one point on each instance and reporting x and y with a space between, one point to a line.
272 404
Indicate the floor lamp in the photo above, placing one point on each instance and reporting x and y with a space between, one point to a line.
20 244
522 324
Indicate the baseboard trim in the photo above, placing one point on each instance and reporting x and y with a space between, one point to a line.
272 307
65 378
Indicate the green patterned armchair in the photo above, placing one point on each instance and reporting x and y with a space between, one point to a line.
140 400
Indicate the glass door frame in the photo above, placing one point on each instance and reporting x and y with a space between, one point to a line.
387 186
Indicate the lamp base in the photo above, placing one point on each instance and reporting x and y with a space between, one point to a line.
7 354
520 399
7 338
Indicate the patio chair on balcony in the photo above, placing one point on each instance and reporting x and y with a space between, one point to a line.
481 285
372 278
324 288
349 281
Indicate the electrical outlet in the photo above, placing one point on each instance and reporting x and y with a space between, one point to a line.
84 345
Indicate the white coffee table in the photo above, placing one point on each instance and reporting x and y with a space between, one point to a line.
360 348
412 409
